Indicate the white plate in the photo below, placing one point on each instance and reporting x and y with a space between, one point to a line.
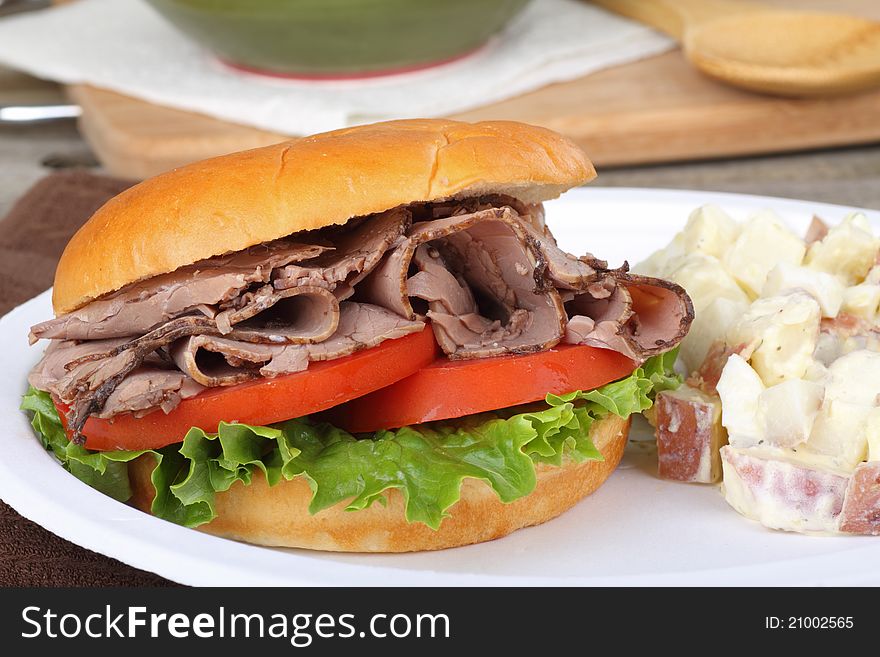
636 529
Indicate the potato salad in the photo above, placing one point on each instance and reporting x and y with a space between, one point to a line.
783 394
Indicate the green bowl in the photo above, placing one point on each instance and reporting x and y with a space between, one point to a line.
338 38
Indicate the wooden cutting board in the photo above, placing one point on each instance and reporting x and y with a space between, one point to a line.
655 110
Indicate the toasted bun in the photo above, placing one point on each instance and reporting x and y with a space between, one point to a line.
278 516
232 202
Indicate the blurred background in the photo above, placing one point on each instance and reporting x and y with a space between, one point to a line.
140 86
719 95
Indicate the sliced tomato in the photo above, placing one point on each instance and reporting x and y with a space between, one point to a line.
264 401
449 389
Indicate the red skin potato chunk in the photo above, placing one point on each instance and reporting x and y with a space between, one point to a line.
781 494
689 435
861 505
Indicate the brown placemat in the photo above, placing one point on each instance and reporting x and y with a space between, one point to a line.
32 237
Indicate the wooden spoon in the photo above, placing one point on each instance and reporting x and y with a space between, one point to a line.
788 53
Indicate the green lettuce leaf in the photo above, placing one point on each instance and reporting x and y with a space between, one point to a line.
426 463
106 471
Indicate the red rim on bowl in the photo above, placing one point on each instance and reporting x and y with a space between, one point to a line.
366 75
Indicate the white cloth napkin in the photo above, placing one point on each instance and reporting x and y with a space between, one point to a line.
123 45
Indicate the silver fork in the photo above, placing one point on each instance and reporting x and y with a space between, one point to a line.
27 114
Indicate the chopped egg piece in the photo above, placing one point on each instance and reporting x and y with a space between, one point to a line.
826 289
862 300
783 331
855 378
787 411
849 250
851 393
840 433
658 263
705 280
740 388
709 230
712 320
817 373
763 243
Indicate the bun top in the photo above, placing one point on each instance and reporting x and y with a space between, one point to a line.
231 202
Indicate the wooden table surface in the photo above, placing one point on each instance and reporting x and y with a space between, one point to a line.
848 176
657 109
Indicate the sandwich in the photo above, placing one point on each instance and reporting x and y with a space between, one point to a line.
366 340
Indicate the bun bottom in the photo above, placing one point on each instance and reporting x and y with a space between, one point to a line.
279 517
